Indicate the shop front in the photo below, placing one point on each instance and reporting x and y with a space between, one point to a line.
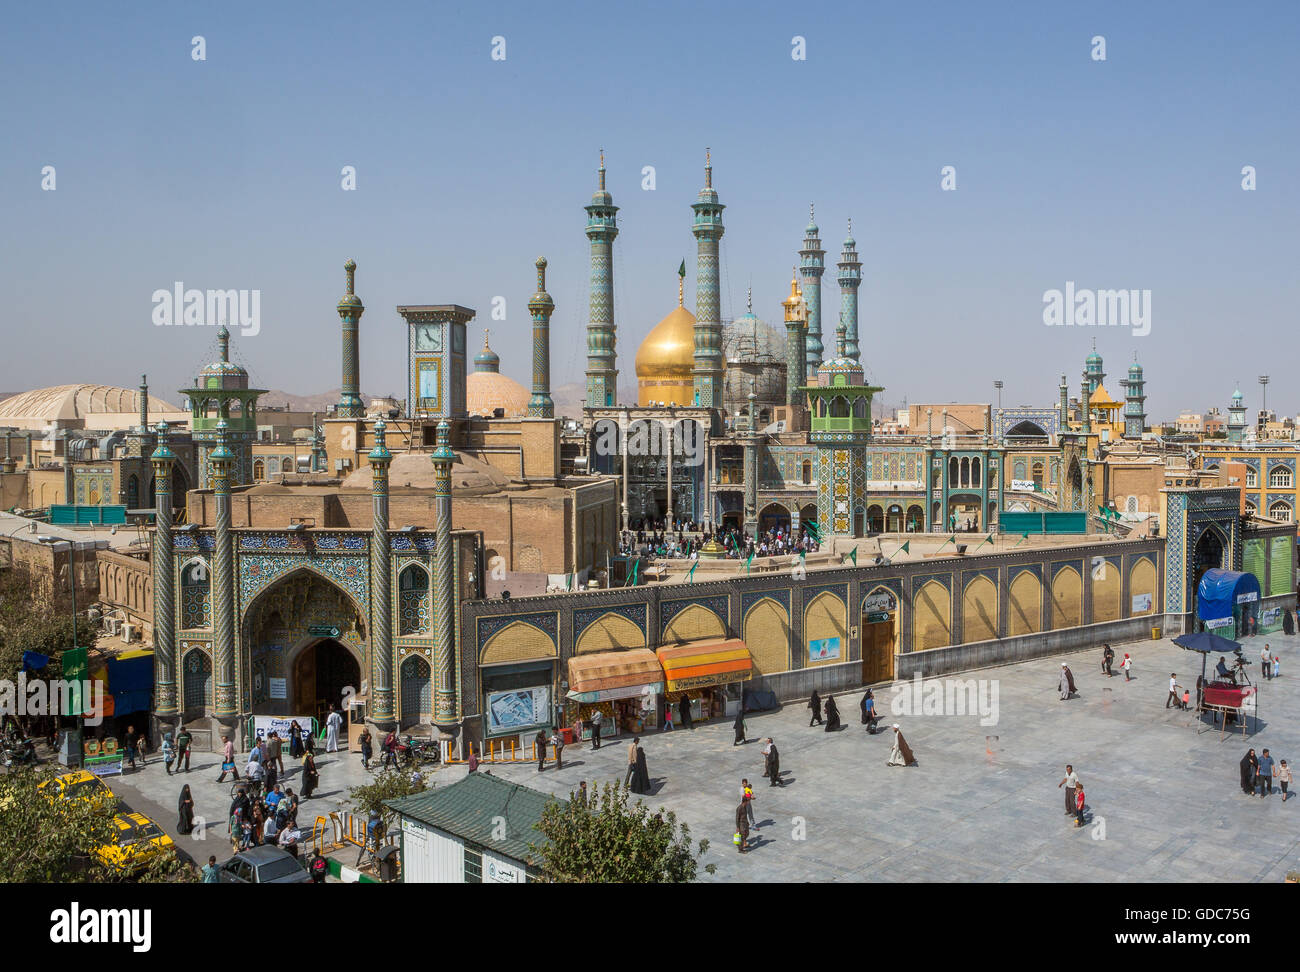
623 686
517 700
706 675
1227 603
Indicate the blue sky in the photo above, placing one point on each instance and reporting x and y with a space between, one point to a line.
225 173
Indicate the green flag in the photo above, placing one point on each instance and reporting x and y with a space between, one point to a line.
814 530
749 561
854 556
988 539
906 547
1023 538
568 582
681 271
636 566
690 577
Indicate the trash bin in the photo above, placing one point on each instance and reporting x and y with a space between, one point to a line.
1155 634
387 863
567 734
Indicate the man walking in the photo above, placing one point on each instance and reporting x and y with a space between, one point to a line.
210 873
742 828
227 759
596 719
1173 691
557 744
183 739
1265 773
333 722
273 752
1071 783
129 745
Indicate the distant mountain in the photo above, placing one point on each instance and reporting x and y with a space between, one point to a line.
306 403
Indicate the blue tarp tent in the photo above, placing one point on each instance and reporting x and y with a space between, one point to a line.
1227 597
130 679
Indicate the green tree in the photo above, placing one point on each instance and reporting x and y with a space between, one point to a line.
29 622
604 840
391 784
48 840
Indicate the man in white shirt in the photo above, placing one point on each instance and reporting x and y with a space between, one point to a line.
1070 782
1173 691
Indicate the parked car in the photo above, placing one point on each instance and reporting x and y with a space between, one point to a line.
264 865
78 785
139 840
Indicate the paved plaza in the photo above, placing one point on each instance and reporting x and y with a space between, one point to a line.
1167 796
1164 802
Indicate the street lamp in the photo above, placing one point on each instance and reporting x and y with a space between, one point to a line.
998 385
1263 382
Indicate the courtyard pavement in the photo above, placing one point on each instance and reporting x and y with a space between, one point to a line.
982 805
1164 802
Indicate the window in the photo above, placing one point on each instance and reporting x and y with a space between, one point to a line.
807 472
1252 478
1132 505
259 470
1279 476
473 865
1280 512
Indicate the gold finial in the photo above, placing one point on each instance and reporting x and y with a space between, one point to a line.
681 284
486 332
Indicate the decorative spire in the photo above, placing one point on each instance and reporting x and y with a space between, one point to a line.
351 268
223 343
708 170
840 331
681 282
486 331
749 300
380 455
602 170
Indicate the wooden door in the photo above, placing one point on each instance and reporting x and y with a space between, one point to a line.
878 651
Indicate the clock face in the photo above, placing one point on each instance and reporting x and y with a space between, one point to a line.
428 337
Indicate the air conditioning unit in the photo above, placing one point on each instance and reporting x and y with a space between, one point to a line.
128 630
112 625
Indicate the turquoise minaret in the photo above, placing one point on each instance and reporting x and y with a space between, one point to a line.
1093 369
350 310
444 578
541 306
602 228
812 264
750 523
1237 418
381 568
163 459
144 404
223 582
708 231
850 278
1135 413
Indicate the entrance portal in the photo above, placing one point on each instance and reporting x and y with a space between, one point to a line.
320 673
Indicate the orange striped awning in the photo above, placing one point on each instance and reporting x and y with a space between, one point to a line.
614 674
705 663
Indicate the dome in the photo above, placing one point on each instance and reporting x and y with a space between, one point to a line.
85 406
1135 370
486 391
665 361
487 359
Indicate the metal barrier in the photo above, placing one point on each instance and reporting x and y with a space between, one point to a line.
502 751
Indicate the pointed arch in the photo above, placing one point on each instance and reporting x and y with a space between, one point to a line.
766 631
517 641
979 611
824 618
931 616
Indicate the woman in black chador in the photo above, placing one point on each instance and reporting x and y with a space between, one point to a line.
739 727
832 714
641 776
185 811
1248 765
815 706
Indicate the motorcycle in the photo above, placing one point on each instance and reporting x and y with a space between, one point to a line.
414 752
22 753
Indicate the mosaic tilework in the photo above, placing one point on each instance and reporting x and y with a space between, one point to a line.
670 609
749 598
258 572
894 587
636 613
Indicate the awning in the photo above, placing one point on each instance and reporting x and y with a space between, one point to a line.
704 663
1222 590
607 675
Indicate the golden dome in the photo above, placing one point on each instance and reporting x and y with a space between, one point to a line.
665 362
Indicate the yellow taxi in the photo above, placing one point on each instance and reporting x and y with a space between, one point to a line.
139 840
78 785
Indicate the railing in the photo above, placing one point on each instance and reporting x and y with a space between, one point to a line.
505 750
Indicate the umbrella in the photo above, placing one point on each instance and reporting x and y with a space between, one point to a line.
1205 643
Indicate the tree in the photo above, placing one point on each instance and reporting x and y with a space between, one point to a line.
28 622
391 784
604 840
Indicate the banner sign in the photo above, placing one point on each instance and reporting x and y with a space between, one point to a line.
1022 485
1141 603
1219 623
824 649
883 601
1248 597
517 709
264 725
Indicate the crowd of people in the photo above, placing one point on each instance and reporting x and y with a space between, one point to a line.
685 542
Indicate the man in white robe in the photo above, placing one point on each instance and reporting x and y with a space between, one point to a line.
333 722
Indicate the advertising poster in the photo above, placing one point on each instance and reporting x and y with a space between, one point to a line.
517 709
824 649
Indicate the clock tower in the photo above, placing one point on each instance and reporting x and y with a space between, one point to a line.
435 342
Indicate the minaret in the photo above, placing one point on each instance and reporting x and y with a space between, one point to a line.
1064 407
541 306
796 337
708 231
1093 369
1135 415
750 525
381 563
223 583
164 605
1085 407
444 586
350 309
602 228
144 404
812 262
1237 418
850 279
317 445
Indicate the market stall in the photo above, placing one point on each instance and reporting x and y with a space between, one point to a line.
1229 696
707 673
624 686
1227 602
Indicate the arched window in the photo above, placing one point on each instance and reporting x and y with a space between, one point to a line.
133 492
807 472
860 408
953 471
839 407
286 464
1132 505
259 470
1280 511
975 473
196 602
1279 477
413 600
1252 478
